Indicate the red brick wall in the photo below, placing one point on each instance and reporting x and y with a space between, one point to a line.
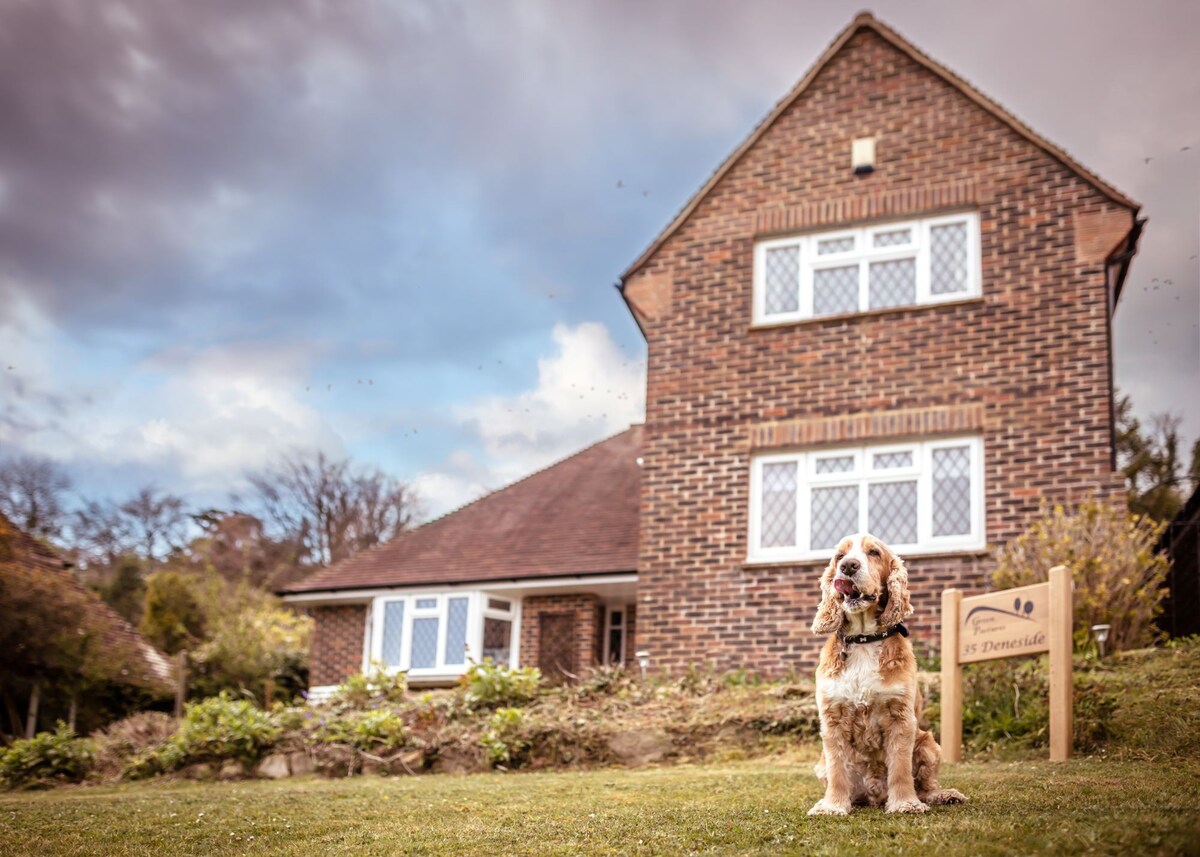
631 636
588 623
1030 356
337 643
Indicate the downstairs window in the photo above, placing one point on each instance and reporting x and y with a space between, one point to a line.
918 497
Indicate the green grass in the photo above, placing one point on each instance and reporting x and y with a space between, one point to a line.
1128 806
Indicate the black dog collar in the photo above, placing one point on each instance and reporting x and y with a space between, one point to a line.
898 628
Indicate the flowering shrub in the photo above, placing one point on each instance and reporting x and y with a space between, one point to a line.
1118 577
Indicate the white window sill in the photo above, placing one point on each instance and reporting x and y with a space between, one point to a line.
794 320
754 563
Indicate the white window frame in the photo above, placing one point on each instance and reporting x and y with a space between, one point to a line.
864 475
477 609
863 254
609 627
488 612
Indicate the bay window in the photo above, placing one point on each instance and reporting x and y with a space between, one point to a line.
438 634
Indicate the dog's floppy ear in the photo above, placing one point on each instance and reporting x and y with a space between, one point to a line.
829 613
898 607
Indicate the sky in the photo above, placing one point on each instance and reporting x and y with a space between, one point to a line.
391 230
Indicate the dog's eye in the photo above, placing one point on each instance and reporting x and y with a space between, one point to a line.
874 552
839 557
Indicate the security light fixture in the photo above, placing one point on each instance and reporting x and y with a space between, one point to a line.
862 155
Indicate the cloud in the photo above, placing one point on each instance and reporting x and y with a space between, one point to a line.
587 389
193 421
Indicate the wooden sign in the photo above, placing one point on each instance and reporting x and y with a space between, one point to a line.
1003 624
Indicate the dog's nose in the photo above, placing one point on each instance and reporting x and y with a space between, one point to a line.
850 566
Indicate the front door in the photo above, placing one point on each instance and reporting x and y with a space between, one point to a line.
557 645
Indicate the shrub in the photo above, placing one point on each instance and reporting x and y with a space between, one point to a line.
501 738
166 757
605 680
1006 702
1118 576
489 685
380 729
1006 706
221 727
58 756
250 637
291 718
380 687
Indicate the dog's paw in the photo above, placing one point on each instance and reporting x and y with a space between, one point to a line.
823 807
910 805
944 797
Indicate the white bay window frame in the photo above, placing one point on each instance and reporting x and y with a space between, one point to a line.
863 255
477 609
863 475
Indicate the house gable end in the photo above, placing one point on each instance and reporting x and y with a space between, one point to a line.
807 93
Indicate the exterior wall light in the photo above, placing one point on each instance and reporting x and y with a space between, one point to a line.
862 155
1100 632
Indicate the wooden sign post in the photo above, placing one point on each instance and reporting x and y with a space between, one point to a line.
1002 624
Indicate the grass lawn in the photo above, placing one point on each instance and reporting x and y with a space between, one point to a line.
755 807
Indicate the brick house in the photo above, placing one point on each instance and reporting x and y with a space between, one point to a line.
889 309
542 572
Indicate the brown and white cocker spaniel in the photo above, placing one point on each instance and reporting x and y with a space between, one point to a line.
874 753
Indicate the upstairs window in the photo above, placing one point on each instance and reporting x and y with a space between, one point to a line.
918 497
876 267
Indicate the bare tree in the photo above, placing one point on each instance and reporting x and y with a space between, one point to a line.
1149 457
331 508
157 521
100 534
31 494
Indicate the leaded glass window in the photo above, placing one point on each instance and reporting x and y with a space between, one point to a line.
834 514
783 280
948 258
951 491
871 268
393 631
424 643
835 290
456 631
922 495
779 504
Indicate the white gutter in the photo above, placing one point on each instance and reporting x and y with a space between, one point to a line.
355 596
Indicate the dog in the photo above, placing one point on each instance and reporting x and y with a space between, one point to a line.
873 753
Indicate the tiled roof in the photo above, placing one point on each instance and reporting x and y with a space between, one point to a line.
866 20
146 666
576 517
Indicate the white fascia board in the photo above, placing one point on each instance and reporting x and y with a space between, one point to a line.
363 596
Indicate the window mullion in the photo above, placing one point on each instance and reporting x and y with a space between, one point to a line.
806 279
864 270
803 505
443 617
864 513
925 495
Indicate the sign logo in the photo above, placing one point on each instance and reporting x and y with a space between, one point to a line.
1002 624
